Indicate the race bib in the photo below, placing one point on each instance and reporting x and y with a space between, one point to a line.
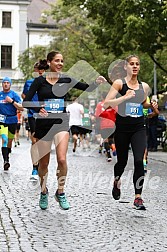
134 109
54 105
2 118
86 122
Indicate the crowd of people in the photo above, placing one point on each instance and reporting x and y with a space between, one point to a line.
123 118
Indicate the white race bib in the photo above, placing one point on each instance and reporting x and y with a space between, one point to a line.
54 105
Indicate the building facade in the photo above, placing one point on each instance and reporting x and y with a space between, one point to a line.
38 31
21 28
13 19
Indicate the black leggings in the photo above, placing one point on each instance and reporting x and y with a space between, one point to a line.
138 144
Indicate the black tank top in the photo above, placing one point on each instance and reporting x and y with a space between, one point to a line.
131 111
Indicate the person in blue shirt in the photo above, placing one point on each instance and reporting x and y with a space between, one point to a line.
10 102
38 70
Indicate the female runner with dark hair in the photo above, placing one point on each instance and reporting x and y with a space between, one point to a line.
53 122
130 95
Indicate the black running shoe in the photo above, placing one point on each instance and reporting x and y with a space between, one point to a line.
6 166
138 204
116 192
109 159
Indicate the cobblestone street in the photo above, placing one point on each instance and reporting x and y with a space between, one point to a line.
95 221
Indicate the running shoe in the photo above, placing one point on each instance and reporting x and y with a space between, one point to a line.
144 163
116 192
109 158
100 149
145 166
78 142
114 153
43 202
6 166
61 199
34 175
138 204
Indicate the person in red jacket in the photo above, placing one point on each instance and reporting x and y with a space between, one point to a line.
107 126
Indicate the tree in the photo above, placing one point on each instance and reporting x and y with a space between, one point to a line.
100 32
28 58
128 25
75 40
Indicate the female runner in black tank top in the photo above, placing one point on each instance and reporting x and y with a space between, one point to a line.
130 96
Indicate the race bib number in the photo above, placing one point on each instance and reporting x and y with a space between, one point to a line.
86 122
134 109
54 105
2 118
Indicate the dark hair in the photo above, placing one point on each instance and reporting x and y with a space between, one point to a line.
117 71
74 98
43 65
52 54
36 65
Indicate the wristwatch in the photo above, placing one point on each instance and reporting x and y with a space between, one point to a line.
12 102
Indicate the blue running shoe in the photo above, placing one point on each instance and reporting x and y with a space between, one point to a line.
34 175
61 198
145 166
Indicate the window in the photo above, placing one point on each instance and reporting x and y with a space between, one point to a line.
6 57
6 19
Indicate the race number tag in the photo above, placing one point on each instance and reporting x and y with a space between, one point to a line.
134 109
2 118
54 105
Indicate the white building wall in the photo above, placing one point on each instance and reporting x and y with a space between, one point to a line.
18 36
22 29
14 36
10 36
39 38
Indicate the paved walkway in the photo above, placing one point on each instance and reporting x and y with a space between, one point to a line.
95 221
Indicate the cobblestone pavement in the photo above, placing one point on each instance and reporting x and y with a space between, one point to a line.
95 221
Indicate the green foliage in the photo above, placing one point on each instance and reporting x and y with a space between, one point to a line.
28 58
100 32
76 40
130 26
